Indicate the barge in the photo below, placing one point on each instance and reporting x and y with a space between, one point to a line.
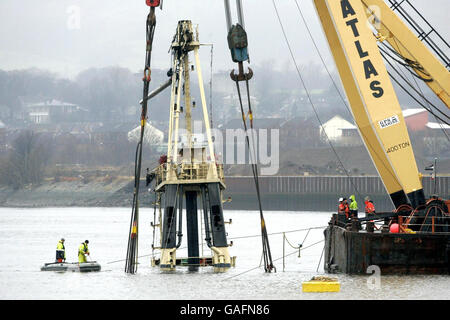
421 245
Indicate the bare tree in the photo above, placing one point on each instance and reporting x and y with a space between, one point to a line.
26 162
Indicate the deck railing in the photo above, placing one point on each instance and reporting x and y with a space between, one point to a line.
187 171
418 225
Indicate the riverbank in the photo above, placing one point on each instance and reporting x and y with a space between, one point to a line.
109 192
280 193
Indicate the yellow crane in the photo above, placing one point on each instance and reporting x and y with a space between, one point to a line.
357 32
353 29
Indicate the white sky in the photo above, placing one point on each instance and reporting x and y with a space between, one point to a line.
40 33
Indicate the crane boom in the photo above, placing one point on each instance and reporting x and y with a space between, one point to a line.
372 98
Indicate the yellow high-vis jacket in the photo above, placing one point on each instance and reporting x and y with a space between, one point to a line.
60 247
82 251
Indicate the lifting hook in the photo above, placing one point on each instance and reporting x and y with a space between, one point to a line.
241 76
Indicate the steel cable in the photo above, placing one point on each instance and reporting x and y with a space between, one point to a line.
309 96
268 264
132 249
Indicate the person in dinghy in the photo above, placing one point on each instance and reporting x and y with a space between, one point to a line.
60 251
83 252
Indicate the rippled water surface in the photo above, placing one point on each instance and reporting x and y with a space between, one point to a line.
28 239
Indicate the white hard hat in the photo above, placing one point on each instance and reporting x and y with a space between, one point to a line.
341 199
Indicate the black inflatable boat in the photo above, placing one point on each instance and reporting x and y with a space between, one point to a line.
90 266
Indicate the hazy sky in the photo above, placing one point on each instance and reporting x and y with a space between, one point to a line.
67 36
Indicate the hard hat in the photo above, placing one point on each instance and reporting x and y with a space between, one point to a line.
341 199
62 239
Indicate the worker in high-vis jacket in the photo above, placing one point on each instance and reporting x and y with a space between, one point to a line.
83 251
353 206
370 208
60 251
341 206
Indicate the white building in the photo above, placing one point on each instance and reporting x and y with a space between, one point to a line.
45 112
342 131
337 129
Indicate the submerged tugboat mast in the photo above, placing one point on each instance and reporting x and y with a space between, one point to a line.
191 171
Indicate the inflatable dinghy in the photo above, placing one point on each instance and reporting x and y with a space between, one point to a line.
72 266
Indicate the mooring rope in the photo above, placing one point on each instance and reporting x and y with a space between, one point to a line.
273 260
240 237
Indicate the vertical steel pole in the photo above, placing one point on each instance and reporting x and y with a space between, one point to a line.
187 100
240 13
435 175
227 14
177 119
205 110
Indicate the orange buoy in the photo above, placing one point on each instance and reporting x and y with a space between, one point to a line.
394 228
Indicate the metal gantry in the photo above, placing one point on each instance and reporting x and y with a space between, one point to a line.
191 173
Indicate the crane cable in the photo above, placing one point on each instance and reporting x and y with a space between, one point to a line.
267 256
132 249
309 96
237 42
409 93
306 90
421 34
435 117
411 64
419 92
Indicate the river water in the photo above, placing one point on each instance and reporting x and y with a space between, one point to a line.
28 239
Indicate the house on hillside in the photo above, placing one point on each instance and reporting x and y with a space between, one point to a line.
340 131
53 111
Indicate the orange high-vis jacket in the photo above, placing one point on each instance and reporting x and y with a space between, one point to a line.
370 208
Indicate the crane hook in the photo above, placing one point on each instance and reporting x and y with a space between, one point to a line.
241 75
